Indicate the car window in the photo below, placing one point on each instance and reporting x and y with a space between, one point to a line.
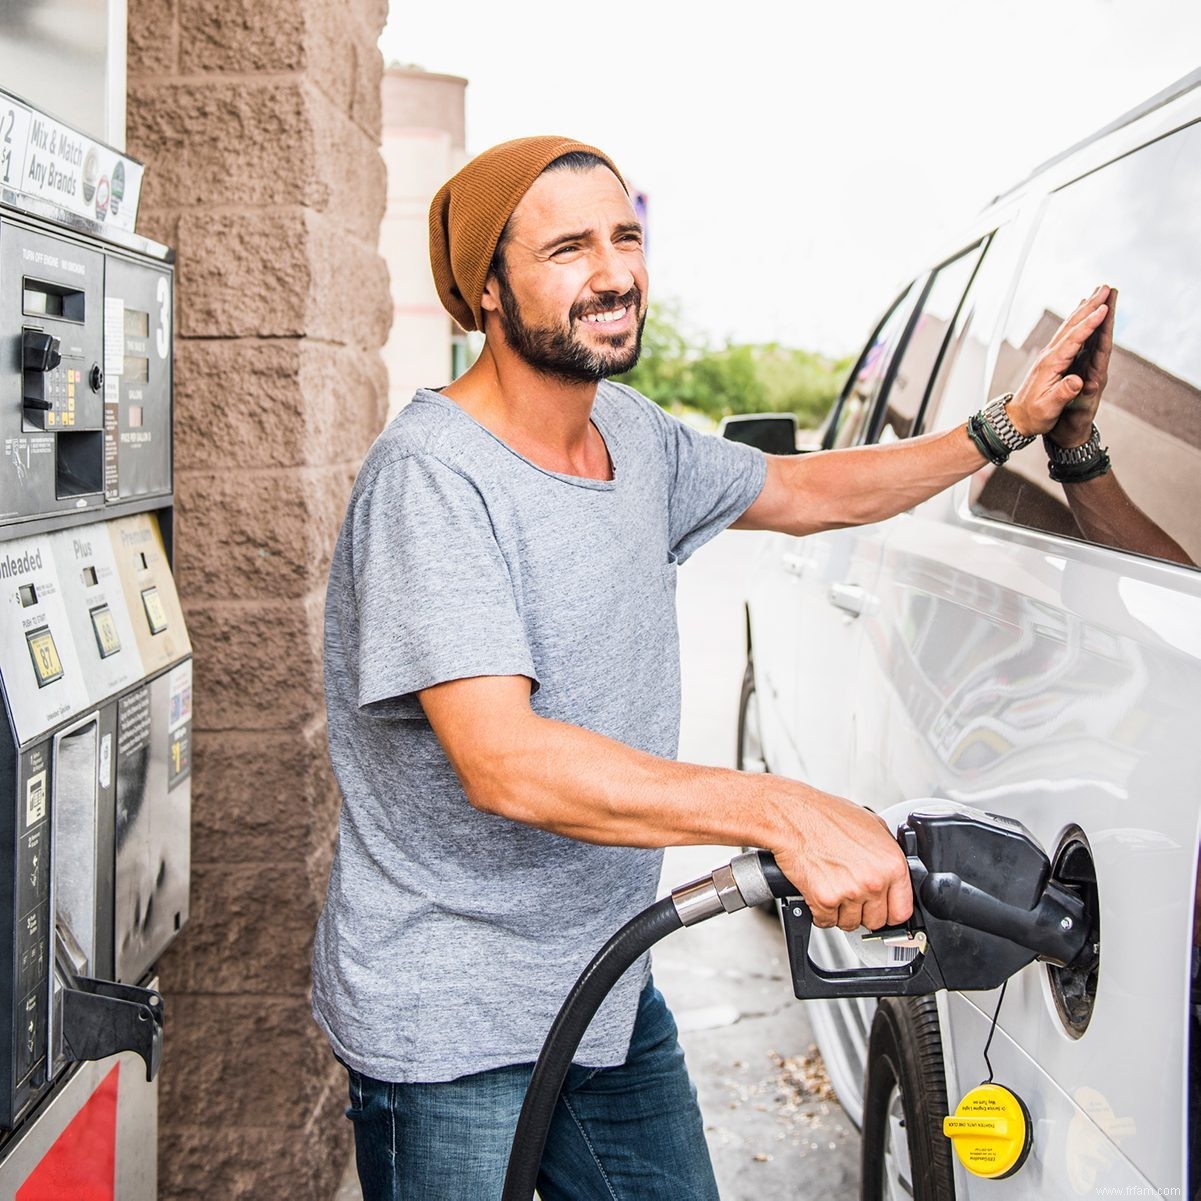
1134 224
858 400
901 406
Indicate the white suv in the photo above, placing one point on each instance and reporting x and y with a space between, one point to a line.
999 649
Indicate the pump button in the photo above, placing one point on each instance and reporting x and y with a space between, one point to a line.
156 614
47 665
108 641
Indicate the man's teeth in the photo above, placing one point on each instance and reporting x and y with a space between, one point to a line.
611 315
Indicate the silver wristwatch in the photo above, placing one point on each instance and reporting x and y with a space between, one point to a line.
1074 456
998 420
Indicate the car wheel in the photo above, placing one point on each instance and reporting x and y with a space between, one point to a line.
905 1100
749 755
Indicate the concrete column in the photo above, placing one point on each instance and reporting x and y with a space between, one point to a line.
259 123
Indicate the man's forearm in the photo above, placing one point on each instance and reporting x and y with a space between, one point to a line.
580 784
1107 515
575 782
836 488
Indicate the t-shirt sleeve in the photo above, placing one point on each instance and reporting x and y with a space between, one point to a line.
432 592
711 482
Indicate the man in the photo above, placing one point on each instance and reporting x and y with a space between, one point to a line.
503 686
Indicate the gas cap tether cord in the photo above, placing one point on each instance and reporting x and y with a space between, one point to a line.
991 1031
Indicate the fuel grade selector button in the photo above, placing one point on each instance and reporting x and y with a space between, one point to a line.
46 664
990 1131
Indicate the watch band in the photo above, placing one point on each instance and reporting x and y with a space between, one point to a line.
1074 456
996 417
1077 464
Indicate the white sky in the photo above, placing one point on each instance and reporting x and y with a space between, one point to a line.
802 159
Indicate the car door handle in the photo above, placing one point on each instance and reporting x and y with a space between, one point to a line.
850 598
793 563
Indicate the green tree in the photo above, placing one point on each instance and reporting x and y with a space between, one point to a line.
679 368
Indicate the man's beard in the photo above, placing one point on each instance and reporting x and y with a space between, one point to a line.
555 350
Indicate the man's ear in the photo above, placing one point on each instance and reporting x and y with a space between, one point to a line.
490 300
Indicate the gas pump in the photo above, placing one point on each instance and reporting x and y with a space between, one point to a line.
95 661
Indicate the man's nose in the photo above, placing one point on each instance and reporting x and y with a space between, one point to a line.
613 271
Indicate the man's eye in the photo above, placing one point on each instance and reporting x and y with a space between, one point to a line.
570 248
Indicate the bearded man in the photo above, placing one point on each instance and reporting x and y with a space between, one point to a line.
502 679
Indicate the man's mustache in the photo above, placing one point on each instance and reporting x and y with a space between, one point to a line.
633 298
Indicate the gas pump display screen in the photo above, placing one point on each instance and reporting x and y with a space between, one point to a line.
137 369
46 663
108 641
137 324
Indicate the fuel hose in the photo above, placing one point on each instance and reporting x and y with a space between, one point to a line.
751 879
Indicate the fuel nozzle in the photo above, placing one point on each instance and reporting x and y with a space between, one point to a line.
40 352
984 906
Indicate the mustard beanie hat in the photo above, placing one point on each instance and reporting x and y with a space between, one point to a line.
471 208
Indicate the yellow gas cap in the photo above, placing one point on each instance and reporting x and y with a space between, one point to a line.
990 1130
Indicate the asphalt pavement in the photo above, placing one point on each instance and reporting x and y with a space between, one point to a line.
775 1129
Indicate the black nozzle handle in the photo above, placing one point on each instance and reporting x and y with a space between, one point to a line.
1056 929
921 976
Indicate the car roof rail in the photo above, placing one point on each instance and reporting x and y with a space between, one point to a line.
1170 93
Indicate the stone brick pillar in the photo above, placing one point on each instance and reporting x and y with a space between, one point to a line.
259 124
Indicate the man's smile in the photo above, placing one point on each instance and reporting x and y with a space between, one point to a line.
608 316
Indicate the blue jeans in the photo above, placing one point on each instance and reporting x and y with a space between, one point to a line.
626 1133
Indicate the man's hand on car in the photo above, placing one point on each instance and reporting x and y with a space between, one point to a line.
1075 423
1042 401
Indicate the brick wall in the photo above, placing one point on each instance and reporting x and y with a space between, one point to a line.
259 124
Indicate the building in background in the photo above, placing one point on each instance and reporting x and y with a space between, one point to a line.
423 145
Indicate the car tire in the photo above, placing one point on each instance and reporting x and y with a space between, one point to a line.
904 1151
748 755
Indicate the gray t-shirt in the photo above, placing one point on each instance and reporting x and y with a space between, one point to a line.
450 936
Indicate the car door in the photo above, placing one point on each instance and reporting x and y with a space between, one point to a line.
786 571
836 598
836 571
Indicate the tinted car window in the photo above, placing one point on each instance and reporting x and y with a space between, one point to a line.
858 400
1136 225
924 346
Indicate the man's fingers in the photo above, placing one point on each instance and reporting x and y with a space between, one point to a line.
900 900
1067 388
1105 340
875 912
1081 312
1061 351
850 916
